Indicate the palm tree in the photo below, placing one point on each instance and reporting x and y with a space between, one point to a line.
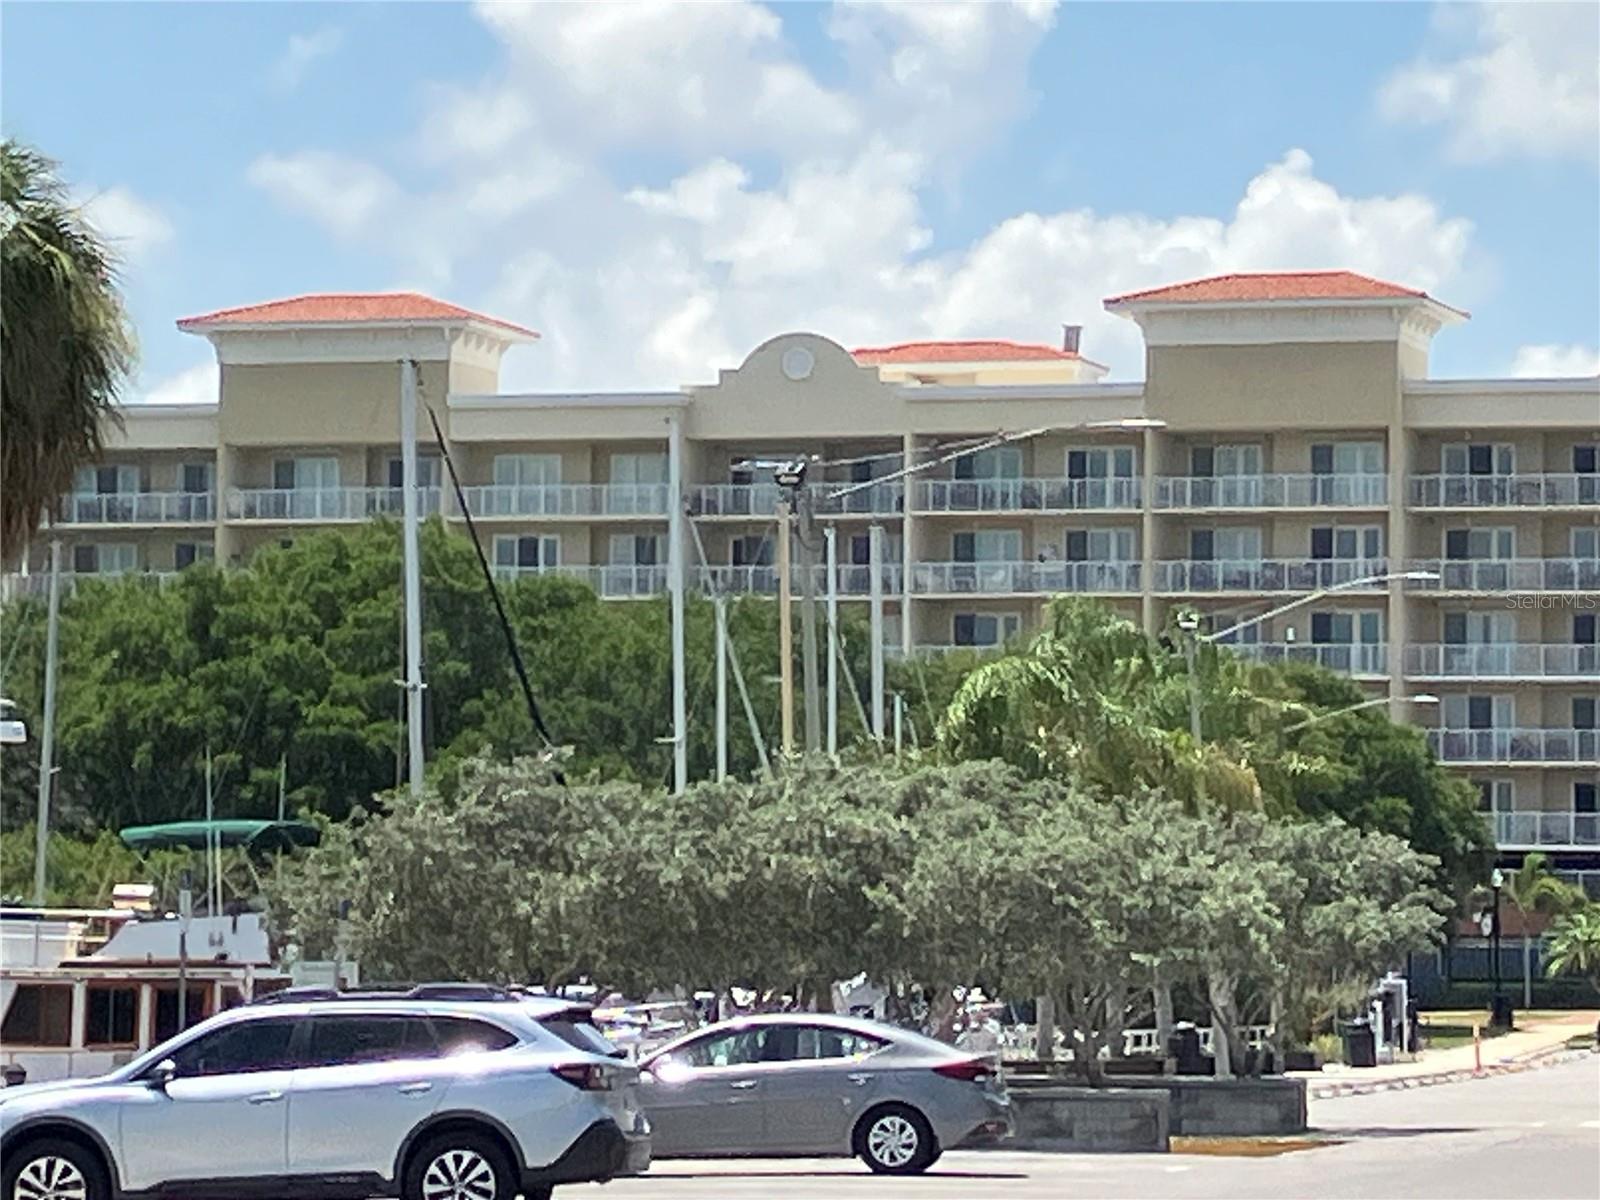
1574 947
1531 888
68 346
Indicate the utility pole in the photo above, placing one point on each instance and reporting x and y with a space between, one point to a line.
785 632
283 785
213 888
412 573
722 686
875 595
47 742
675 586
808 623
833 636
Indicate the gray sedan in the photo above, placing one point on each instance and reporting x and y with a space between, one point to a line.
812 1083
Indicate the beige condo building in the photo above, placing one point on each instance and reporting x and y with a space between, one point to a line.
1286 440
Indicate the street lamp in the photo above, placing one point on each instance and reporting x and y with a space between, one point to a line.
1499 1009
1424 698
1320 593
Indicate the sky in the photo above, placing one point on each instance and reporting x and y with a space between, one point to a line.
659 188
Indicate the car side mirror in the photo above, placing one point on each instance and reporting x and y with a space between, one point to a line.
163 1073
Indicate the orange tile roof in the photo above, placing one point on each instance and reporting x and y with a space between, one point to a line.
345 308
972 351
1247 287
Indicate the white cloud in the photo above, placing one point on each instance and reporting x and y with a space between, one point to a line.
133 227
303 50
193 385
1551 361
1529 86
343 194
529 205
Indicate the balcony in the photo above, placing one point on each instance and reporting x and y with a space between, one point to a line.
15 586
568 500
1509 575
610 582
1531 830
1508 661
1351 659
1500 747
1271 491
761 499
139 508
1027 495
1189 576
1024 578
926 650
852 580
325 504
1505 491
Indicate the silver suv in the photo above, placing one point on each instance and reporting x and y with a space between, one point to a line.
417 1096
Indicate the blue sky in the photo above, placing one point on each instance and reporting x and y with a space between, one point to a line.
659 189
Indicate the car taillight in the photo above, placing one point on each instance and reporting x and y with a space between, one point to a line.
588 1077
973 1070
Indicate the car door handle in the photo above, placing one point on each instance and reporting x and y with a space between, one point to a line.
415 1089
265 1098
859 1079
743 1084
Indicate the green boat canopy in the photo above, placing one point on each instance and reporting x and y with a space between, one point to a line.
259 836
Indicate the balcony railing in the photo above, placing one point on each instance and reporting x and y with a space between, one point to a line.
940 649
324 504
1509 575
761 499
1504 491
1515 745
1264 575
1532 660
852 580
15 586
568 500
1025 578
1272 491
1526 829
136 508
1352 659
610 581
1026 495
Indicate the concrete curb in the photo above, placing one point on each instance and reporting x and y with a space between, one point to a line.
1548 1057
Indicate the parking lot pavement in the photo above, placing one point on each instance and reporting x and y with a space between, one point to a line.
1535 1135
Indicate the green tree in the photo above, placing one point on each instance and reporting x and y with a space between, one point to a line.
68 344
1574 945
1534 889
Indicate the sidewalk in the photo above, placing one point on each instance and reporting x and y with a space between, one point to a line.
1539 1043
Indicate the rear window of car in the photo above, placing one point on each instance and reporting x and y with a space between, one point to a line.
462 1035
578 1030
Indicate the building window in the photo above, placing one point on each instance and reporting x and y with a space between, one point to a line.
1347 458
107 481
1216 462
1479 458
186 554
1583 712
1000 462
1098 545
751 550
112 1018
1585 629
639 468
1479 712
40 1014
429 473
861 549
526 470
1103 462
987 545
526 552
113 558
1493 544
984 629
194 479
638 549
1347 542
1586 797
305 474
1496 795
1585 542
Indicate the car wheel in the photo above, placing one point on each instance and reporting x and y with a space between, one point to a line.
51 1169
896 1140
459 1166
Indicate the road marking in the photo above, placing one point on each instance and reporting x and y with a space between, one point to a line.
1174 1170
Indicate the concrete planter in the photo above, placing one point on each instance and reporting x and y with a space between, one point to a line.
1204 1107
1090 1120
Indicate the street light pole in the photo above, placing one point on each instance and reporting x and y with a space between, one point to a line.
1498 1012
1423 698
785 632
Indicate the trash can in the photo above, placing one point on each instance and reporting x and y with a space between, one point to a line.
1360 1046
1500 1012
1184 1047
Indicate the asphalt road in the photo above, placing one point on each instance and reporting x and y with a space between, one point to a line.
1533 1135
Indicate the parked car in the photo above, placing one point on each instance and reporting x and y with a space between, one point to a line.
429 1096
818 1084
